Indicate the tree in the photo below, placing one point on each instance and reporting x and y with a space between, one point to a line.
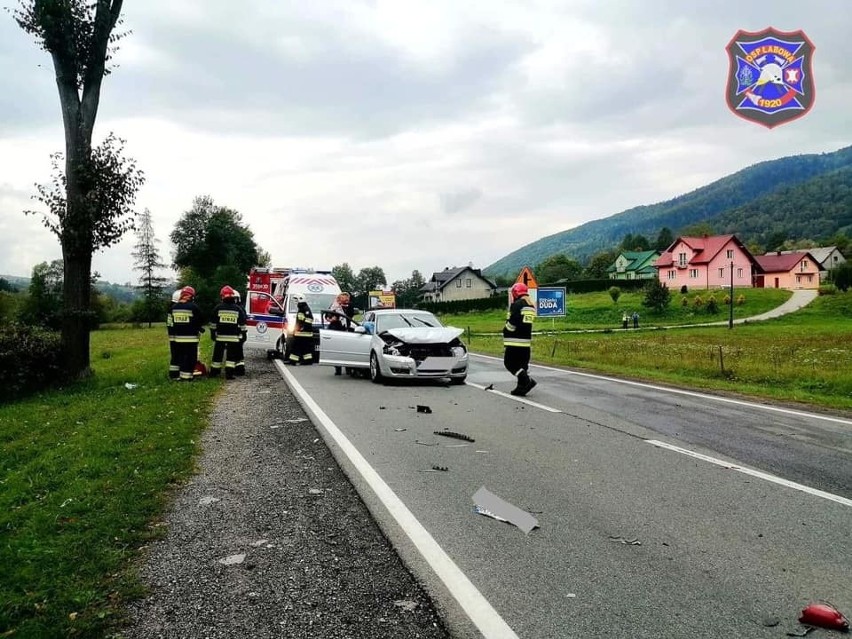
345 277
699 229
408 290
841 276
776 240
148 262
597 267
657 296
43 305
90 201
5 285
635 243
614 293
840 240
664 239
558 267
368 279
213 248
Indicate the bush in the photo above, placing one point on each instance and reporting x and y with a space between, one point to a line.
657 296
614 293
29 360
684 289
698 301
712 305
727 299
466 306
827 289
740 299
684 301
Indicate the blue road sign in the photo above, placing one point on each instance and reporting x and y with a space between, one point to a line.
551 302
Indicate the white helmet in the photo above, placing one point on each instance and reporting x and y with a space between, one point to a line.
299 298
176 296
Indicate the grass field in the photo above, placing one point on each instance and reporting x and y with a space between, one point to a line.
805 356
83 474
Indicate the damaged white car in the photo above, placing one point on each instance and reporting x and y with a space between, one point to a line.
397 344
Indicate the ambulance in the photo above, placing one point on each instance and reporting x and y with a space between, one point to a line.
271 306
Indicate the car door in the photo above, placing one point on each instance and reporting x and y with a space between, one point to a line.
264 320
345 348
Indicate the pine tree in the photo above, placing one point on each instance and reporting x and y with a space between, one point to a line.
148 262
657 296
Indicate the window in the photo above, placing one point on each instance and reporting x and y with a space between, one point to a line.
804 264
467 283
681 259
672 275
730 254
739 273
721 273
693 273
798 279
458 283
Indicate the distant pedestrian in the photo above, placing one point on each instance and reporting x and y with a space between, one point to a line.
624 320
188 324
517 339
229 325
635 319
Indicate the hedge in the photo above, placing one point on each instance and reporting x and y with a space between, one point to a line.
29 360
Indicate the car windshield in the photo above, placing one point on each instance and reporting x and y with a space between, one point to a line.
390 321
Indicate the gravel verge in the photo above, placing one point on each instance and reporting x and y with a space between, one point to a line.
270 539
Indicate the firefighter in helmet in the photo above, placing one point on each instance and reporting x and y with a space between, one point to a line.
240 368
517 338
302 351
174 366
187 326
227 331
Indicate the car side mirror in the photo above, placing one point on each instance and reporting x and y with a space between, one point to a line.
360 329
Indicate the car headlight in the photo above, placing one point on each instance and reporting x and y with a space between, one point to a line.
390 350
459 351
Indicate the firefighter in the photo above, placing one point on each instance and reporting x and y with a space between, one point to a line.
240 368
302 351
517 339
187 325
229 326
174 366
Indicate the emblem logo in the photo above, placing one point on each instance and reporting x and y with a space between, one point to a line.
261 327
770 77
315 288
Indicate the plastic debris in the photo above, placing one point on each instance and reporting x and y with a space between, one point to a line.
206 501
488 504
297 420
316 491
406 605
456 445
489 387
233 559
449 433
423 409
484 452
824 615
630 542
417 441
400 430
130 386
801 632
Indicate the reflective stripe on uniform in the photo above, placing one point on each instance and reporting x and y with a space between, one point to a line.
513 341
181 339
227 338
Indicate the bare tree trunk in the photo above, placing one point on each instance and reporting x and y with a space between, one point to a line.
76 320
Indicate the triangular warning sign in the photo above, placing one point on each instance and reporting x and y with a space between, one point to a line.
526 277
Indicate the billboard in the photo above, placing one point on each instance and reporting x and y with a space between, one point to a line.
550 302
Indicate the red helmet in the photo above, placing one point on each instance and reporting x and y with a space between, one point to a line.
519 289
187 291
227 292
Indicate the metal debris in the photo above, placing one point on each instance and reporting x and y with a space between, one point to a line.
630 542
449 433
400 430
423 409
443 468
488 504
417 441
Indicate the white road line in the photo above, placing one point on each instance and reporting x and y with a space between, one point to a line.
676 391
481 613
517 399
754 473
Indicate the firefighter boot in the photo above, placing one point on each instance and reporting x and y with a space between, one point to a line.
525 384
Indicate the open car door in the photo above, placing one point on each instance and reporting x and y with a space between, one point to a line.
264 321
349 348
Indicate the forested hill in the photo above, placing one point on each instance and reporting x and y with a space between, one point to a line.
722 204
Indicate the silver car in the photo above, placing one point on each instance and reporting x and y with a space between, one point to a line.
397 344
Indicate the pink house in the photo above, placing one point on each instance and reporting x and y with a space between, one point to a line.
706 262
797 269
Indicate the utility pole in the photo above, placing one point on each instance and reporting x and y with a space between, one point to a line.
731 316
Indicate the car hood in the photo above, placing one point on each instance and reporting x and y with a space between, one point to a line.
426 334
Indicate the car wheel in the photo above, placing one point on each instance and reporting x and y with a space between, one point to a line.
458 381
375 371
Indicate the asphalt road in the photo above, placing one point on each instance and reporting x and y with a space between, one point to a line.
720 553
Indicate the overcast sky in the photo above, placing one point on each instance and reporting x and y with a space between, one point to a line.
413 135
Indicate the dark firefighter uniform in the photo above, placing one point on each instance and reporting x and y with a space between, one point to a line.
228 333
517 339
303 337
187 326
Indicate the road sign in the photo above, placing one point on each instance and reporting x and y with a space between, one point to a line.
550 302
526 277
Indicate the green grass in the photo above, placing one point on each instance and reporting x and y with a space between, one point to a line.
84 472
597 311
804 356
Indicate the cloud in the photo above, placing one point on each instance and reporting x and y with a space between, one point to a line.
455 201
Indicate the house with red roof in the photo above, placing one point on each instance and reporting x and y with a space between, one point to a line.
793 269
707 262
